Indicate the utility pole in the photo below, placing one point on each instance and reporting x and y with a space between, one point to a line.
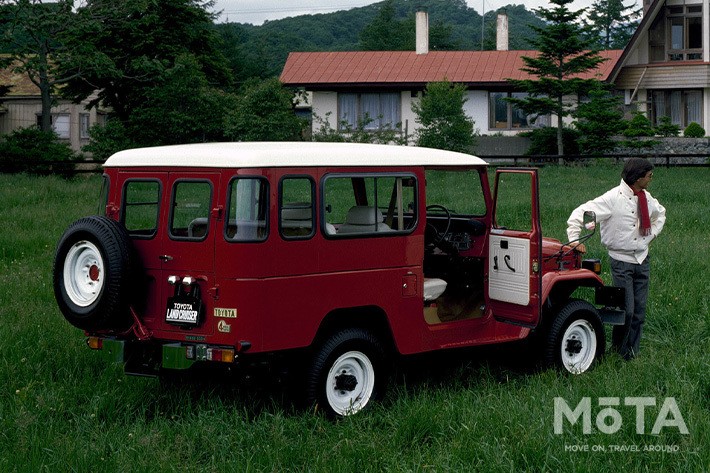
483 16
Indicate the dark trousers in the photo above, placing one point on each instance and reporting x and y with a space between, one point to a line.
634 277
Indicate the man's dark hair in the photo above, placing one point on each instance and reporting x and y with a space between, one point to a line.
635 169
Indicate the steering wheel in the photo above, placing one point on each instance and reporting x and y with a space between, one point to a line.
431 229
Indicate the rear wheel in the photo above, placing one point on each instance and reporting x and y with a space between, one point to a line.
347 373
576 338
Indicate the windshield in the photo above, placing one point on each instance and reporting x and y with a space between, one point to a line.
459 190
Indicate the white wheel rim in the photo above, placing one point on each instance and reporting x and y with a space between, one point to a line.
350 383
83 273
579 346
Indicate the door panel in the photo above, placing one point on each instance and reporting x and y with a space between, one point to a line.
515 248
509 269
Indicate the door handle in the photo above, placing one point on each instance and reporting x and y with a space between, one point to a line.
506 260
165 258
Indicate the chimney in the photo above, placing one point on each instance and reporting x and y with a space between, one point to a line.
502 32
422 30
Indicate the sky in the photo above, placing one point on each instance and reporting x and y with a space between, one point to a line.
258 11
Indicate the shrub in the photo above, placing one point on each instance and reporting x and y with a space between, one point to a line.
694 130
104 140
639 126
544 141
34 151
346 133
667 128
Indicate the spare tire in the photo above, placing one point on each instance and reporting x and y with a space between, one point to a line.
93 274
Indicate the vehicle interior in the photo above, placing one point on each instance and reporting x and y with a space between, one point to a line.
454 256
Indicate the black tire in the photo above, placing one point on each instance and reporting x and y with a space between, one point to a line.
347 373
576 338
93 274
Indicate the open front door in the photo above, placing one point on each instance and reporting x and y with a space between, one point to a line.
515 248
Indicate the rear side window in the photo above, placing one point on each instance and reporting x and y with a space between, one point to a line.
297 217
382 205
248 210
189 217
141 202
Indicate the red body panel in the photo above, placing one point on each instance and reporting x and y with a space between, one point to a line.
276 293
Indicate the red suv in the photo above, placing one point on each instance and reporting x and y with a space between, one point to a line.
355 253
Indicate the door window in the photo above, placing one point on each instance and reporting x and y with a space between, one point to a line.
190 213
140 208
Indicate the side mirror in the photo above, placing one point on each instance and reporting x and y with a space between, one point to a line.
589 221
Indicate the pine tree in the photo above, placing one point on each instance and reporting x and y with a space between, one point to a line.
564 55
611 24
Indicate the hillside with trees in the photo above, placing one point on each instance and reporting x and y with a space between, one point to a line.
260 51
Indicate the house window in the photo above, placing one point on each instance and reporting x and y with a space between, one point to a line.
507 116
682 106
84 126
61 124
374 111
685 33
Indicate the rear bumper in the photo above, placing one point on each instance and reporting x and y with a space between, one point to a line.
144 358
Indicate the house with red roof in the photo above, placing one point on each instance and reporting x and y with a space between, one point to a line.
344 86
664 72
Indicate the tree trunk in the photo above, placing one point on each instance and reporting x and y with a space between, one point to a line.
45 90
560 124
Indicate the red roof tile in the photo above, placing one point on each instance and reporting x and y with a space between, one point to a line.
407 67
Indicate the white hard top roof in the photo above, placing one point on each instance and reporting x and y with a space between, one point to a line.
288 154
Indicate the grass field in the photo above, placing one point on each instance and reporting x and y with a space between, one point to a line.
63 409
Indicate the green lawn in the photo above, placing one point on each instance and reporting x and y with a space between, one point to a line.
64 409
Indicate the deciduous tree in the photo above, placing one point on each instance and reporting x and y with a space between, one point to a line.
444 124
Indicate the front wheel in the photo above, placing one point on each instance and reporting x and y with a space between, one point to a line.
347 373
576 338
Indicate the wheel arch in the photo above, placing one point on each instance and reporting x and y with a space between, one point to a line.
557 287
371 318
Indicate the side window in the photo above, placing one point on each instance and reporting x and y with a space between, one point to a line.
296 218
514 202
248 209
381 205
189 218
141 201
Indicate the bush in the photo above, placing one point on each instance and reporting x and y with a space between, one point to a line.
667 128
104 140
544 141
34 151
694 130
639 126
346 133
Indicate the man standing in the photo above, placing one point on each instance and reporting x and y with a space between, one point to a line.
629 220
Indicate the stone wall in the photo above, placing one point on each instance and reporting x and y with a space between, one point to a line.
674 146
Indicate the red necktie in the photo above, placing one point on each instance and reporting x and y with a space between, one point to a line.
645 228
